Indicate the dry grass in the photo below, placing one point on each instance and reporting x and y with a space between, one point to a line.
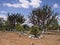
10 38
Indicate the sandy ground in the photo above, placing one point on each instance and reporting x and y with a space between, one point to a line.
10 38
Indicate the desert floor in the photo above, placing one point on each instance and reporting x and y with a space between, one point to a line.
12 38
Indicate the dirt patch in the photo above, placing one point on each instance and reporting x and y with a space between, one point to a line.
12 38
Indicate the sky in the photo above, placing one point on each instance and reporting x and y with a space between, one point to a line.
25 6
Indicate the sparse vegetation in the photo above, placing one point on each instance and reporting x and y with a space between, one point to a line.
43 18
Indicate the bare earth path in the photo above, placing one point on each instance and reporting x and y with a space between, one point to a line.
10 38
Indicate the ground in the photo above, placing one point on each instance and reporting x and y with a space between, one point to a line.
12 38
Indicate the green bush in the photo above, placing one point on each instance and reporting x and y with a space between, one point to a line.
34 31
26 27
19 28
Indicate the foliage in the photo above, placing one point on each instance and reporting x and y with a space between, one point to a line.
19 27
59 27
26 27
54 25
14 19
42 17
34 30
1 23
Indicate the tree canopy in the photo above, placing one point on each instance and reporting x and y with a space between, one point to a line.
43 16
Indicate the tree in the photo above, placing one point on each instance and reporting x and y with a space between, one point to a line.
7 26
1 23
54 25
14 19
42 17
20 18
11 20
59 27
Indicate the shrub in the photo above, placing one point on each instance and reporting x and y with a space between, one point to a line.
34 31
19 28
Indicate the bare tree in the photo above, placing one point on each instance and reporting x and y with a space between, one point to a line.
42 16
